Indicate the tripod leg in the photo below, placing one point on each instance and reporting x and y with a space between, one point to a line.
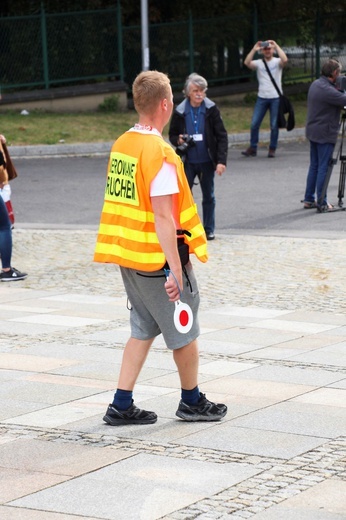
341 190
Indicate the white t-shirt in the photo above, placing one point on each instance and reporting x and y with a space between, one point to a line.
266 88
165 182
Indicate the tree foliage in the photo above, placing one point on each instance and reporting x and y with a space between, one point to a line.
166 10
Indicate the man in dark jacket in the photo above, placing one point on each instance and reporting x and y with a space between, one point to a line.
325 102
198 133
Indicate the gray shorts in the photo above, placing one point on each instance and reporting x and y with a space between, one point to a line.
151 311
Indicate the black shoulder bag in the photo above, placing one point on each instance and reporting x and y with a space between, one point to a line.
285 106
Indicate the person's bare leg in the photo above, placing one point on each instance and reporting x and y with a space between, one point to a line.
134 356
187 361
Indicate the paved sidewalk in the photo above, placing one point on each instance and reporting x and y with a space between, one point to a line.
272 348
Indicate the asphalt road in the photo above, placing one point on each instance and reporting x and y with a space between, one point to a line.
256 195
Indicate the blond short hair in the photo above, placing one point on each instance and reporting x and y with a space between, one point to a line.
148 89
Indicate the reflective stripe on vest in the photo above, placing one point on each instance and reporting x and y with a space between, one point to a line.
127 234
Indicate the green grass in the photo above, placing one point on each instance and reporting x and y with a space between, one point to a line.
52 128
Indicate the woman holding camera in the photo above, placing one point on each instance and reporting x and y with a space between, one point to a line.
198 133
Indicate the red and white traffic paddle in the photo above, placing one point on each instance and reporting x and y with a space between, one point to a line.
182 317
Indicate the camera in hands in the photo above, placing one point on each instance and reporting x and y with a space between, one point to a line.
188 143
340 83
265 44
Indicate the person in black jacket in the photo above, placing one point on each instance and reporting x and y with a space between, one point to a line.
198 133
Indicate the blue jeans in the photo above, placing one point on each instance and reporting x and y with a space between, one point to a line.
5 236
320 155
205 173
261 107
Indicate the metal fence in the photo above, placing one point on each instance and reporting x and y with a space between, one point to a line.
49 50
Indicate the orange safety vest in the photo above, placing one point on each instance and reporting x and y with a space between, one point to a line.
127 233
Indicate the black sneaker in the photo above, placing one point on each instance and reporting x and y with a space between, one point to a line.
12 275
132 415
204 410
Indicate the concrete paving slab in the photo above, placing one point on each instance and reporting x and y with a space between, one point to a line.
18 407
11 375
16 361
324 501
331 355
230 348
340 331
75 350
154 485
278 353
310 341
273 391
56 458
115 336
225 368
258 313
339 384
263 337
315 317
81 382
254 441
55 416
16 483
298 418
58 320
88 370
295 326
18 293
85 299
13 328
45 393
213 320
23 308
14 513
324 397
291 375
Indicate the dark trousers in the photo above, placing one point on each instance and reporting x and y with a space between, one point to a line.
206 174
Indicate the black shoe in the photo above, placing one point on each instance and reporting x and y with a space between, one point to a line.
210 236
12 275
250 152
204 410
271 153
132 415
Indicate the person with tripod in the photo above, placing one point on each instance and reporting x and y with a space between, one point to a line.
325 103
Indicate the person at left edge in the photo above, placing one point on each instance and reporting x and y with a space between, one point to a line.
8 272
147 204
199 116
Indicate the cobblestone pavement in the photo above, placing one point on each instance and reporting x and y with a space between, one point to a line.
280 272
268 474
